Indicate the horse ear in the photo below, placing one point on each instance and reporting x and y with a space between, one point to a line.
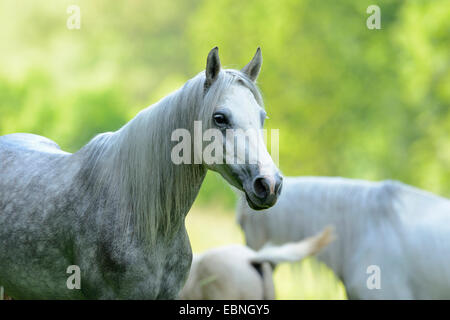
212 67
253 67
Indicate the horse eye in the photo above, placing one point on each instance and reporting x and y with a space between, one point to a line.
220 119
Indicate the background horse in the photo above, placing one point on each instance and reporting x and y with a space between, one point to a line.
236 272
404 231
116 208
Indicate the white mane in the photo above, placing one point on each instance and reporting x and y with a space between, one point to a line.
134 163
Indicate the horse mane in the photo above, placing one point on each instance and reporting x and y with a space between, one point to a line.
134 165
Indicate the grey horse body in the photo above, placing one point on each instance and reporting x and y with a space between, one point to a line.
45 228
402 230
115 209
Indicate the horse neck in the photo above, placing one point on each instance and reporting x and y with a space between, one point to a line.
151 194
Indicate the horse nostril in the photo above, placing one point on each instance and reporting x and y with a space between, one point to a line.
261 187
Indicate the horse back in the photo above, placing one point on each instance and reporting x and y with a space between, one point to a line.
31 168
29 142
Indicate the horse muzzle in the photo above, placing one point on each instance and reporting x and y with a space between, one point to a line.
262 191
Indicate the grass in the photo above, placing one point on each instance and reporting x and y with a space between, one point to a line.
210 227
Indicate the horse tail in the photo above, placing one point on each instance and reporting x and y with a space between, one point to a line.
294 251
